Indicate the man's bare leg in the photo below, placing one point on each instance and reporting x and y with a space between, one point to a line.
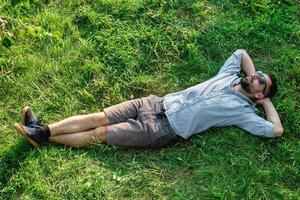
83 129
78 123
81 139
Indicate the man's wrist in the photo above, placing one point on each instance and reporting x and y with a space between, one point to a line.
266 102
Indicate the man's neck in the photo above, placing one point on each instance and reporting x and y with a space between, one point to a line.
239 88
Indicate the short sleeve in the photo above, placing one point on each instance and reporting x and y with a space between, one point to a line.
233 63
256 125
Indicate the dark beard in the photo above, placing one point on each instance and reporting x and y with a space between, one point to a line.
245 85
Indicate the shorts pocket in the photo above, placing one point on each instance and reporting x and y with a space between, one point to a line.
160 137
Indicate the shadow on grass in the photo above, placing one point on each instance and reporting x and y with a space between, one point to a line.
11 158
191 165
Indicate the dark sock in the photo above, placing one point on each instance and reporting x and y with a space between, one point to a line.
45 132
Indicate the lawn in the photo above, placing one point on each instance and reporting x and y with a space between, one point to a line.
79 56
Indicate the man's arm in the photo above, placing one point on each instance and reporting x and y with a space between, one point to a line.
272 115
247 64
239 60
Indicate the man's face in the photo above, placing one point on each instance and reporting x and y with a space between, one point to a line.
256 85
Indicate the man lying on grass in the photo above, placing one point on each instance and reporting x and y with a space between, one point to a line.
151 122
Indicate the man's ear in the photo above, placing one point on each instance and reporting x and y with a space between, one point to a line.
259 95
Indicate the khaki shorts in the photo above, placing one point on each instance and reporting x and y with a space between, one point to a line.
139 123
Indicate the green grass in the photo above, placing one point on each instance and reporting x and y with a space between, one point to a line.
73 57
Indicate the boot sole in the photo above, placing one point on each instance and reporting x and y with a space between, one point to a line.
24 114
22 132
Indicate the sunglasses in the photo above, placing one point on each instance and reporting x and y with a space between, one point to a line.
262 79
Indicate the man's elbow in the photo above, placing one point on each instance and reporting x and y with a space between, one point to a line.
243 50
278 132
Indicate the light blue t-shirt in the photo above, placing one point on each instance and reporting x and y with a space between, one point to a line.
215 103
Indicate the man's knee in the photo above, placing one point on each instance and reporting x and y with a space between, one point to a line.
100 133
99 118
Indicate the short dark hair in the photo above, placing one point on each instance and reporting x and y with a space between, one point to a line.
274 86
